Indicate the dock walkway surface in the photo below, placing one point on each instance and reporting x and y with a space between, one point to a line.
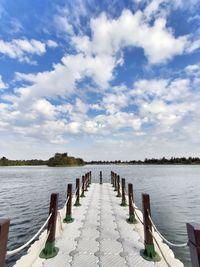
100 236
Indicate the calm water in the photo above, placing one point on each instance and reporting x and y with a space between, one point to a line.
174 191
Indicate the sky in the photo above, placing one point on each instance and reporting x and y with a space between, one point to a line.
101 80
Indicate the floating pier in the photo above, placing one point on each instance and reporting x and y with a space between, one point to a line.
99 226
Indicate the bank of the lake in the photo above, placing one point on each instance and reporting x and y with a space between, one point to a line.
25 191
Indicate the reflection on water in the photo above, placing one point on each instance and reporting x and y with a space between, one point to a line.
175 198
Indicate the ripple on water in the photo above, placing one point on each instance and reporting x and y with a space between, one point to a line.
25 194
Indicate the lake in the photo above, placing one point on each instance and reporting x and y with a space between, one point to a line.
174 191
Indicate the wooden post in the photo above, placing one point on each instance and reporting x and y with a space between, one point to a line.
115 181
83 186
131 218
90 177
4 228
123 193
86 182
111 177
118 186
149 252
193 231
77 203
101 182
68 216
50 250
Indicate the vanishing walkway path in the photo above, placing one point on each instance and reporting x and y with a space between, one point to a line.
100 235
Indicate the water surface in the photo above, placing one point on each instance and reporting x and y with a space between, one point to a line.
174 190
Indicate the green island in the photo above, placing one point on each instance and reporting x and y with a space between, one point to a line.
63 160
58 160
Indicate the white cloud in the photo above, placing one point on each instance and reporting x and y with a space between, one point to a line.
21 48
115 102
2 84
63 25
52 44
109 36
193 70
24 49
193 46
44 108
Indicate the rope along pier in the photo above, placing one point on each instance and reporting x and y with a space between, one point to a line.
49 250
13 252
99 232
149 233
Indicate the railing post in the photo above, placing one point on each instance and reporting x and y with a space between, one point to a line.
88 178
118 186
115 182
90 175
68 216
131 218
111 177
149 252
124 204
86 182
50 250
101 182
77 203
4 228
83 186
193 231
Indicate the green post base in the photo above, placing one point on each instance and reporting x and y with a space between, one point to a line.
49 251
123 204
77 204
118 195
68 219
150 254
82 195
132 219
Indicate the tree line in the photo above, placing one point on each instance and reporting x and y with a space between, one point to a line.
59 159
160 161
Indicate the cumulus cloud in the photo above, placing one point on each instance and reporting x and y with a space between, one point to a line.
52 44
62 24
2 84
24 49
55 105
109 36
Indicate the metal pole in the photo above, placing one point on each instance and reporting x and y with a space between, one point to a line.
50 250
4 228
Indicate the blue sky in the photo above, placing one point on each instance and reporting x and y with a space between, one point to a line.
99 79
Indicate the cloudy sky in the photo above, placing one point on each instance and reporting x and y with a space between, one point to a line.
99 79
